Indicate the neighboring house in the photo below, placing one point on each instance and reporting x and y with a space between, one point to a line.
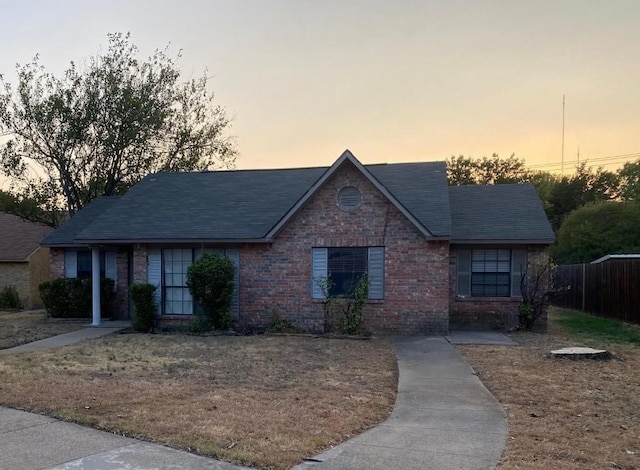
435 256
24 264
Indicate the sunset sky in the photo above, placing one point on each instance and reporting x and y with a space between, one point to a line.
390 80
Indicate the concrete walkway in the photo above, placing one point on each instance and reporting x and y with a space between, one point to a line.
444 418
69 338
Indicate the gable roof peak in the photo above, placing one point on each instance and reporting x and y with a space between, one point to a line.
347 154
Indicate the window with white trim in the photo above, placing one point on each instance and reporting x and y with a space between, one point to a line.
78 263
343 267
490 272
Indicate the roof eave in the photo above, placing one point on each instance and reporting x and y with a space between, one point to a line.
503 241
62 245
163 241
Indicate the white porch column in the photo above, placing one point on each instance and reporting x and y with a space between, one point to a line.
95 285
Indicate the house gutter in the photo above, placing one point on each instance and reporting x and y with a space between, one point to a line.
528 241
165 241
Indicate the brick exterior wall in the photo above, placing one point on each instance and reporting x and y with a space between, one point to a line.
56 262
277 277
140 263
487 313
121 307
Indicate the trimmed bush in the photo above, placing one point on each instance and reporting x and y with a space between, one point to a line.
144 316
9 298
210 281
71 297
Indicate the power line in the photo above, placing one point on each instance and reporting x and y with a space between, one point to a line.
619 159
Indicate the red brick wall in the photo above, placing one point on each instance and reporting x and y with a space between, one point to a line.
122 284
56 258
277 277
140 263
486 313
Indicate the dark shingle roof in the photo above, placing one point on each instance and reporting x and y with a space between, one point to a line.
65 234
218 205
501 213
19 238
246 204
422 189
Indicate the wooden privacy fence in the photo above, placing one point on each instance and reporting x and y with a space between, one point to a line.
610 289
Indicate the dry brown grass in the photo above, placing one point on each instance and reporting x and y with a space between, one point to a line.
563 414
18 328
260 400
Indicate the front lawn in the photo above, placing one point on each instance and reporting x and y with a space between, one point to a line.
267 401
18 328
566 414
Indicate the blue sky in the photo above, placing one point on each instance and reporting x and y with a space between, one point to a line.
392 81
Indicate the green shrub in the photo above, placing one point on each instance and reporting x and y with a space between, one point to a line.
281 324
210 281
350 303
144 316
71 297
9 298
200 324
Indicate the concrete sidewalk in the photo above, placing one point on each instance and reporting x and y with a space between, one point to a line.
29 441
444 418
69 338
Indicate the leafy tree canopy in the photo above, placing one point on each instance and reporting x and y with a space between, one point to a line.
98 129
495 170
630 181
598 229
585 186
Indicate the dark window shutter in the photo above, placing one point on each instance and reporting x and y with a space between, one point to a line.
463 273
318 272
376 273
518 269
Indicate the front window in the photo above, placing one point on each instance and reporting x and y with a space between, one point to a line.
491 273
84 264
346 267
177 298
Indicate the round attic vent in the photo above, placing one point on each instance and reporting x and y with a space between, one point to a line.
349 198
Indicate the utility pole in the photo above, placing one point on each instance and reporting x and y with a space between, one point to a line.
562 161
